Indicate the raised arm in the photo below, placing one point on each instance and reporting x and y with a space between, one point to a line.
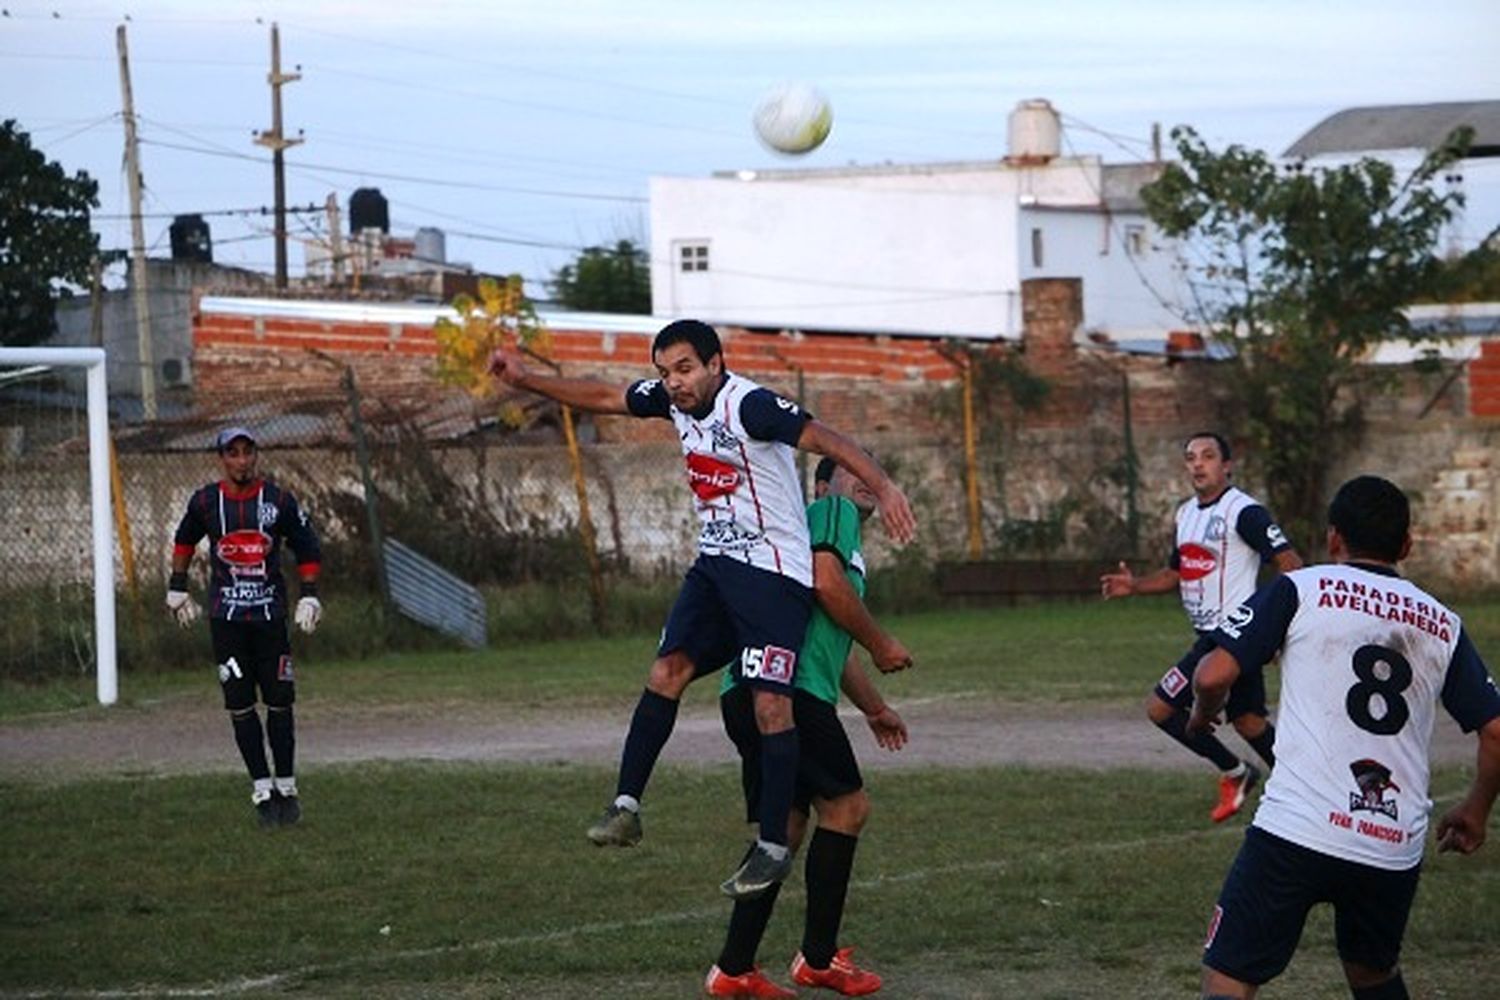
589 394
895 512
838 599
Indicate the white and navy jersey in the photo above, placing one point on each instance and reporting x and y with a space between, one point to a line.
1220 549
1365 658
742 469
245 528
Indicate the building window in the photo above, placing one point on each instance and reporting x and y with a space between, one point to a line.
692 257
1135 241
1036 248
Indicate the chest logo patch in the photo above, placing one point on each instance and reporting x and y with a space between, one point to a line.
1194 561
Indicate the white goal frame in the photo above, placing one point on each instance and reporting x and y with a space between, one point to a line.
91 359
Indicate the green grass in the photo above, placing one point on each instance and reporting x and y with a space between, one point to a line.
969 883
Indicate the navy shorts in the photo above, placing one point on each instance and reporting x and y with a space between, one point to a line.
826 768
731 612
253 655
1247 697
1272 886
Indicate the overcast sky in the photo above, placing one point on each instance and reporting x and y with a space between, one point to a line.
527 130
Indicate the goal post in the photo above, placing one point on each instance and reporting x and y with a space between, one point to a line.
91 359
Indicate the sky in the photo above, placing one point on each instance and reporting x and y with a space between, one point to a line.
529 130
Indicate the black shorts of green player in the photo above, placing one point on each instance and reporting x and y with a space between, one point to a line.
826 765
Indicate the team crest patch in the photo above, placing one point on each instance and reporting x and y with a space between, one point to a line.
723 438
1173 682
284 669
773 663
1373 778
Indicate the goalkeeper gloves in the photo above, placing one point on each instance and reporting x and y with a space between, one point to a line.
183 608
308 613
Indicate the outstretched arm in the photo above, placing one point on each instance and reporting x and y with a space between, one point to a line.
589 394
888 727
1124 583
895 512
1463 827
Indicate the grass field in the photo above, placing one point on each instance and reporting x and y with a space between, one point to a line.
429 880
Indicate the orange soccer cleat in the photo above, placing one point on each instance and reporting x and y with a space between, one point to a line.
1232 793
841 976
752 985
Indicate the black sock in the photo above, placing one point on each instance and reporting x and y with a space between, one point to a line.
281 732
1392 989
1204 744
650 728
1262 745
830 860
778 783
747 925
250 738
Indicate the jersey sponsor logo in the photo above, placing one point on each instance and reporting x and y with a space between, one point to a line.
772 663
1173 682
1373 779
1194 562
1236 621
710 478
244 548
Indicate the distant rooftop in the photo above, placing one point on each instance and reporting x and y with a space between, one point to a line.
1402 126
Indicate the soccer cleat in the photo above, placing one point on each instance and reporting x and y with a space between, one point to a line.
752 984
618 827
841 976
757 874
289 809
1232 793
267 811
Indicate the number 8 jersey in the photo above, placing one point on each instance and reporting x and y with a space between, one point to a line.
1365 658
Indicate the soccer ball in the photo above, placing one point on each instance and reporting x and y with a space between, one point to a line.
793 118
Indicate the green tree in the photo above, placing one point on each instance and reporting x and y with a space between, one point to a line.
45 240
604 279
1302 270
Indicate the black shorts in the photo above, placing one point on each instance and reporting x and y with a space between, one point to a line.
731 612
826 768
1274 883
251 655
1246 697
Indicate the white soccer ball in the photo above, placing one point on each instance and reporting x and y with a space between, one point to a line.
793 118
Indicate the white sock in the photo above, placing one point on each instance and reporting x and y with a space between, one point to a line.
628 802
777 851
260 791
1238 771
286 786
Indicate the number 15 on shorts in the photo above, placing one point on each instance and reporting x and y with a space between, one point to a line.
772 663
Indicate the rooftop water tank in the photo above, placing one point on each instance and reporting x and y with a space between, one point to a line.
1035 133
431 246
368 209
190 239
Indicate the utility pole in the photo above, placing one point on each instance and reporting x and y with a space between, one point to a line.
1156 142
137 234
277 143
335 238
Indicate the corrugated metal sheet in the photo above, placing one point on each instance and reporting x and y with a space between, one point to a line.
425 592
1402 126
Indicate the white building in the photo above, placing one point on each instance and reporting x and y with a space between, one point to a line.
938 249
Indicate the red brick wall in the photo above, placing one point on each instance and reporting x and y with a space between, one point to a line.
1484 382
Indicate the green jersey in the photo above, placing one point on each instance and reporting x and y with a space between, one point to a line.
833 525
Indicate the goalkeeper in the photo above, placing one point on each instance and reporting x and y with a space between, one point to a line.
245 518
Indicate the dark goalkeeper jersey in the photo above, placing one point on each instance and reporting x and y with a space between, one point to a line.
245 530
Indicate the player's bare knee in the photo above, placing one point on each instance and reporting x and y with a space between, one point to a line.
1157 710
670 675
1249 725
845 814
773 711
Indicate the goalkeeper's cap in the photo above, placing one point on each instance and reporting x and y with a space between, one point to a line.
229 435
